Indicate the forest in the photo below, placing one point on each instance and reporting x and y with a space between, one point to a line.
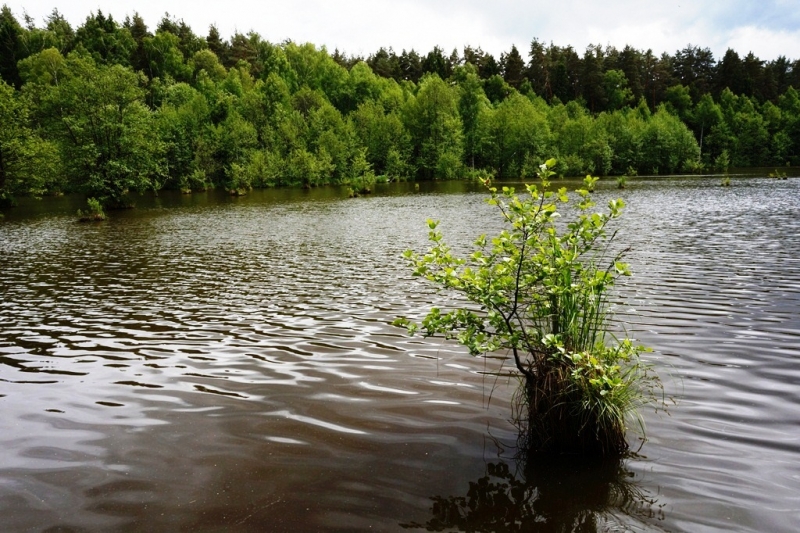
112 107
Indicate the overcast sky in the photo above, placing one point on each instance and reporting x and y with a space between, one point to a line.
768 28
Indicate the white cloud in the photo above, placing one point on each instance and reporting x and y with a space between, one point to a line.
765 43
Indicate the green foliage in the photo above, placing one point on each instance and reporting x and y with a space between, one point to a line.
542 294
207 61
104 129
105 41
706 115
362 179
585 145
722 162
11 50
667 144
385 138
165 59
234 139
110 108
45 68
513 133
29 164
496 89
472 102
434 123
93 213
679 101
743 132
307 169
616 88
789 104
180 122
694 166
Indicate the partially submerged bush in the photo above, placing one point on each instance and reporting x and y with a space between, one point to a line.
777 174
543 293
94 211
363 184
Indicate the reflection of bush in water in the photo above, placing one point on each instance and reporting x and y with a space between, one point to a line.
555 496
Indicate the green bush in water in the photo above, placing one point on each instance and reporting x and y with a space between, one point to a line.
94 211
542 292
363 184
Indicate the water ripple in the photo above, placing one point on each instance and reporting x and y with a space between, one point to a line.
202 359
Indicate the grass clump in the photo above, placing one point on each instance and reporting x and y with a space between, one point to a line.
542 292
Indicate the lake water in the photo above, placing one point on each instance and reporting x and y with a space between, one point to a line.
207 363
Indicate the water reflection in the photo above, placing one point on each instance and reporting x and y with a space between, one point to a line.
554 495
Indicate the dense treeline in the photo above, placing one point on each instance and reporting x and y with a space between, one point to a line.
560 72
113 107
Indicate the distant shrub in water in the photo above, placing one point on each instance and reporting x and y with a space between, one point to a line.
362 178
542 291
777 174
362 185
94 211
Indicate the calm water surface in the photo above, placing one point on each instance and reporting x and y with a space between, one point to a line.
205 363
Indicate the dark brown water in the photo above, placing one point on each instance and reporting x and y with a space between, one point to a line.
207 363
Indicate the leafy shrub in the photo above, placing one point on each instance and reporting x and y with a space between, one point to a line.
362 184
542 289
94 211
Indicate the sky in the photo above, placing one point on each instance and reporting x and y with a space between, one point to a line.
768 28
